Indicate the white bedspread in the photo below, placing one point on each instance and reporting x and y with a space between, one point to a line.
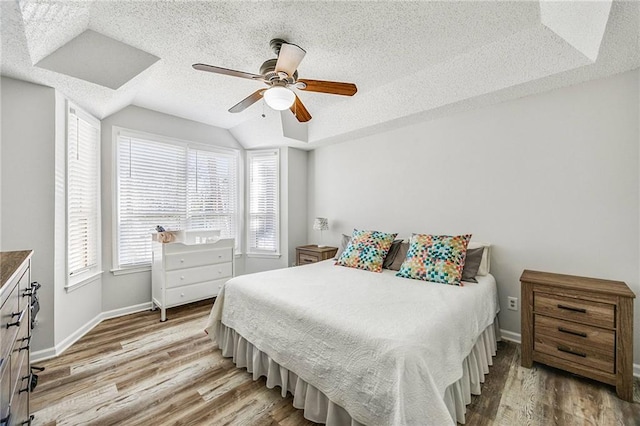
384 348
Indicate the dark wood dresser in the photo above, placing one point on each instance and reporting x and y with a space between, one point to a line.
15 307
313 254
581 325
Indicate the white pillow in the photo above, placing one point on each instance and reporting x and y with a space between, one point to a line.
485 263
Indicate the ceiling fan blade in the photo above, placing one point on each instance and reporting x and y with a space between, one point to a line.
248 101
333 87
289 58
298 109
226 71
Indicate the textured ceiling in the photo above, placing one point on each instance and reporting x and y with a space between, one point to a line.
410 60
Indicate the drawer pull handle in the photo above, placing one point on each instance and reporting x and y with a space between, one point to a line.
17 323
23 378
575 333
26 347
28 421
181 260
571 308
182 277
569 351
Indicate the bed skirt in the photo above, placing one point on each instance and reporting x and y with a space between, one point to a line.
318 408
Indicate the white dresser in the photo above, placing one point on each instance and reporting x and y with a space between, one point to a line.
184 273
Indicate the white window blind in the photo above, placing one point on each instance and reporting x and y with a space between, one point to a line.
263 232
173 185
213 197
83 193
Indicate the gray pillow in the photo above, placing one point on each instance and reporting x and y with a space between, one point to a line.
391 254
472 264
343 245
403 248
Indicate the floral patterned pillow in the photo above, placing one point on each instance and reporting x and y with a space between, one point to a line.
436 258
366 250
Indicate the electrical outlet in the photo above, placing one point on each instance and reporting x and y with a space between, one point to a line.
513 303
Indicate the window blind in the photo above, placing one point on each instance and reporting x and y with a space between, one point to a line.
170 184
263 232
212 192
83 192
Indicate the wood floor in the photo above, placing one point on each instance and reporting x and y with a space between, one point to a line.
135 370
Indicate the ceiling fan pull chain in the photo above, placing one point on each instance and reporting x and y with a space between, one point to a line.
263 114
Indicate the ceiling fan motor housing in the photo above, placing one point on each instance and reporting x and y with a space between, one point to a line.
267 69
275 45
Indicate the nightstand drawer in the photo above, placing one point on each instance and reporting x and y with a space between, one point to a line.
583 311
602 360
312 254
307 258
575 333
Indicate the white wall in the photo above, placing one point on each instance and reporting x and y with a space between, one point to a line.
123 291
551 180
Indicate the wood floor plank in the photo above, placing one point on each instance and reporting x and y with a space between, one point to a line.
135 370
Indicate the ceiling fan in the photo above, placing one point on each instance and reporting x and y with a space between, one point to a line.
281 75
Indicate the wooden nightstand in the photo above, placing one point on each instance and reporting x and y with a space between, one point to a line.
313 254
582 325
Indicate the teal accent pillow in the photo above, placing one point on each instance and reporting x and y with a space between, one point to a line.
435 258
366 250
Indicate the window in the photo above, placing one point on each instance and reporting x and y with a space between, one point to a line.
83 196
175 184
264 183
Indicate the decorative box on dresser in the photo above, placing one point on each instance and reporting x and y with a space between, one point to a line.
313 253
184 273
15 307
581 325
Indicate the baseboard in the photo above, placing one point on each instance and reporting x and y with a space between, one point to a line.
53 352
516 338
42 355
510 336
115 313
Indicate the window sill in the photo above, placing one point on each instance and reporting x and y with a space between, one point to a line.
133 270
72 287
264 255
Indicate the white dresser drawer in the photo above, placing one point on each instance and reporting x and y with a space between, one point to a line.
191 293
197 258
185 273
180 277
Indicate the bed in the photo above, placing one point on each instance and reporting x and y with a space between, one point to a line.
357 347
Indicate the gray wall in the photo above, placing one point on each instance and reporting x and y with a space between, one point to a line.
27 184
123 291
297 202
33 215
550 180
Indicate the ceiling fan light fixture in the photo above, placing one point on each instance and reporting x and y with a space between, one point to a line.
279 98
